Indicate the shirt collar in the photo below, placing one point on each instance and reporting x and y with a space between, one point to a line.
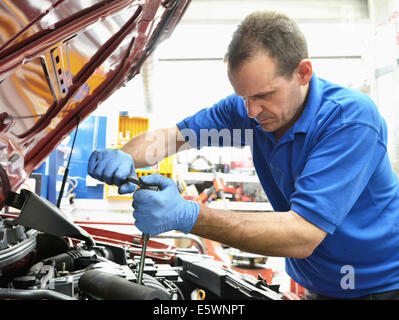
313 102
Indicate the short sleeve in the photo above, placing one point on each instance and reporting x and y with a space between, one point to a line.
226 123
336 173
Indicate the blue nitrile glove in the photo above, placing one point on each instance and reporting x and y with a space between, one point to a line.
160 211
112 166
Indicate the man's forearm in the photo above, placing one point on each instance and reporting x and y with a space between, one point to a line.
283 234
149 148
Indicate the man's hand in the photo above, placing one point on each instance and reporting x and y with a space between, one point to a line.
156 212
113 166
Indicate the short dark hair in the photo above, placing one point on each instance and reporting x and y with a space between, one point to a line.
273 32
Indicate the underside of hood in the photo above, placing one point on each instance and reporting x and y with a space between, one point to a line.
59 59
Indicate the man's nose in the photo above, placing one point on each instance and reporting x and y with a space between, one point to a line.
253 107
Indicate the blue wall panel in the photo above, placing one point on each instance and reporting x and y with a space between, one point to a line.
91 135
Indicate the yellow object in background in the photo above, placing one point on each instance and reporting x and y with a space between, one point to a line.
129 127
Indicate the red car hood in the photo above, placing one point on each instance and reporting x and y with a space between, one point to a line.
58 60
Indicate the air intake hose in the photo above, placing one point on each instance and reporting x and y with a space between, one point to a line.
105 286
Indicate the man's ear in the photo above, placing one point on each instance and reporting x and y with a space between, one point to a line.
304 71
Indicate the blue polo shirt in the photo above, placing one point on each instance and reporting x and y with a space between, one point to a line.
332 168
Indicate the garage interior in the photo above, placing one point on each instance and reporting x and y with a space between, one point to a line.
354 43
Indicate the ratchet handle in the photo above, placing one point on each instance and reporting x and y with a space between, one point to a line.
142 185
152 187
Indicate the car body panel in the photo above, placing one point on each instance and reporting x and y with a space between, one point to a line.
59 60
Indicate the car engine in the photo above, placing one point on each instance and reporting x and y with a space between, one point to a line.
45 256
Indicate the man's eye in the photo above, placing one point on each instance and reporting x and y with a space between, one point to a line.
265 96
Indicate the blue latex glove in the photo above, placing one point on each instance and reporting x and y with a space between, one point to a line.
160 211
112 166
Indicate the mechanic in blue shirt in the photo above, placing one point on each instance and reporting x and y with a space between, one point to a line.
320 151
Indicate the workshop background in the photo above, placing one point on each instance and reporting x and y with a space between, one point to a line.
351 42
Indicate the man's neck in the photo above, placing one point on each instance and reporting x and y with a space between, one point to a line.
280 132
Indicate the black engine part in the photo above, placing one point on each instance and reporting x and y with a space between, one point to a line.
73 260
35 210
104 286
223 283
15 243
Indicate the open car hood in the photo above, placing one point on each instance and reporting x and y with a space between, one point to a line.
58 60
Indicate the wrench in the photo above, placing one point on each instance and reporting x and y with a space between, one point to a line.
145 237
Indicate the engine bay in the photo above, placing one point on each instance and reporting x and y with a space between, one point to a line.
43 255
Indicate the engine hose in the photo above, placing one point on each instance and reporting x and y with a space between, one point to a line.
105 286
72 260
40 294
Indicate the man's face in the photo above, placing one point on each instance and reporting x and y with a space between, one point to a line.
274 101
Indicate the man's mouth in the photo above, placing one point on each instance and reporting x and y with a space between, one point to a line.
262 121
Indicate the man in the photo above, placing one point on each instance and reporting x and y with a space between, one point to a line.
320 153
